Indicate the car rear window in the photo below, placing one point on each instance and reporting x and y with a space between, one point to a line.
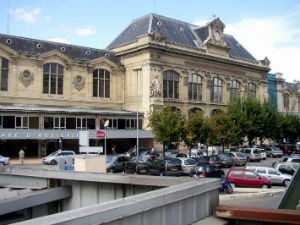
174 162
189 162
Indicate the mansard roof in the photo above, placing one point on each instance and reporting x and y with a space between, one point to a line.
35 48
175 32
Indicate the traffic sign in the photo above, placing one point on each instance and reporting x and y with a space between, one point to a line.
100 133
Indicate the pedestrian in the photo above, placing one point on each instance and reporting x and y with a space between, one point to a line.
113 150
21 155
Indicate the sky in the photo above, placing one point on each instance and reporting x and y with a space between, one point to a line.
266 28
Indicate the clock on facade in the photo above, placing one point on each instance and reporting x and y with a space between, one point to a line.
217 35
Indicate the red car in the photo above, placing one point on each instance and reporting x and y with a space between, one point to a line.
247 178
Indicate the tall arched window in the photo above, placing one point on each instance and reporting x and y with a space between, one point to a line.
53 79
4 74
195 87
171 84
251 90
286 101
217 90
101 83
234 89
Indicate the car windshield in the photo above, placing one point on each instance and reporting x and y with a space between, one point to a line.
276 149
53 153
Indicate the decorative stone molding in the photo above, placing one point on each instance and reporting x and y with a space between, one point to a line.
157 35
26 78
78 82
155 88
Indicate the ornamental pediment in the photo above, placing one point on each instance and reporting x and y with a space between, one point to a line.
7 50
103 62
55 54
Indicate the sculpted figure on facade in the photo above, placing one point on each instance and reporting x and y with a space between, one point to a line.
155 88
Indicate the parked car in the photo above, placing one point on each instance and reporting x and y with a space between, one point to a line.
240 159
138 167
132 151
263 154
253 154
286 168
287 148
179 155
196 152
291 159
273 152
247 178
201 160
187 164
222 160
4 160
53 158
116 163
165 167
207 171
227 150
275 176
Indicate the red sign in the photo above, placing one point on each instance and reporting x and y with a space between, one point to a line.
100 133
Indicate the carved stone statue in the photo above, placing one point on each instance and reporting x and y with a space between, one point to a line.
155 87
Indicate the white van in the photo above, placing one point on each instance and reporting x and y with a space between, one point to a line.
52 159
253 154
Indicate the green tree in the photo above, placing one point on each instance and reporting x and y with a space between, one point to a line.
289 127
223 129
167 125
196 129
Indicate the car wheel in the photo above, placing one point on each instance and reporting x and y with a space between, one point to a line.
53 162
286 183
264 186
232 185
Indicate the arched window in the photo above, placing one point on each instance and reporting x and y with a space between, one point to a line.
217 90
171 84
53 79
251 90
101 83
4 74
286 101
195 87
234 89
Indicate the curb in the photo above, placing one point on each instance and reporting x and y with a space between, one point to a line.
249 193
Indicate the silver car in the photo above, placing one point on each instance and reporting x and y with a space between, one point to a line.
53 158
272 174
4 160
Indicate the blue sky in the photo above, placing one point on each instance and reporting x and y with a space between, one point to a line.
264 27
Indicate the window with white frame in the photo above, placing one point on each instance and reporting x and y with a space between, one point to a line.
22 122
60 123
130 124
81 123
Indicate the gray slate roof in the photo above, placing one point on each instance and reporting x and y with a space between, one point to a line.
33 47
175 32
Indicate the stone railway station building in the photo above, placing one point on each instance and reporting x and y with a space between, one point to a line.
53 90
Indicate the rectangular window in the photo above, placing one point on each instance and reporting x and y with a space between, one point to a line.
81 123
22 122
60 123
4 74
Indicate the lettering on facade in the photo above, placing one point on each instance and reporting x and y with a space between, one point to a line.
19 134
213 67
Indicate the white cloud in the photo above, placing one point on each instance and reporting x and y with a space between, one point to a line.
26 15
60 40
85 30
273 37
